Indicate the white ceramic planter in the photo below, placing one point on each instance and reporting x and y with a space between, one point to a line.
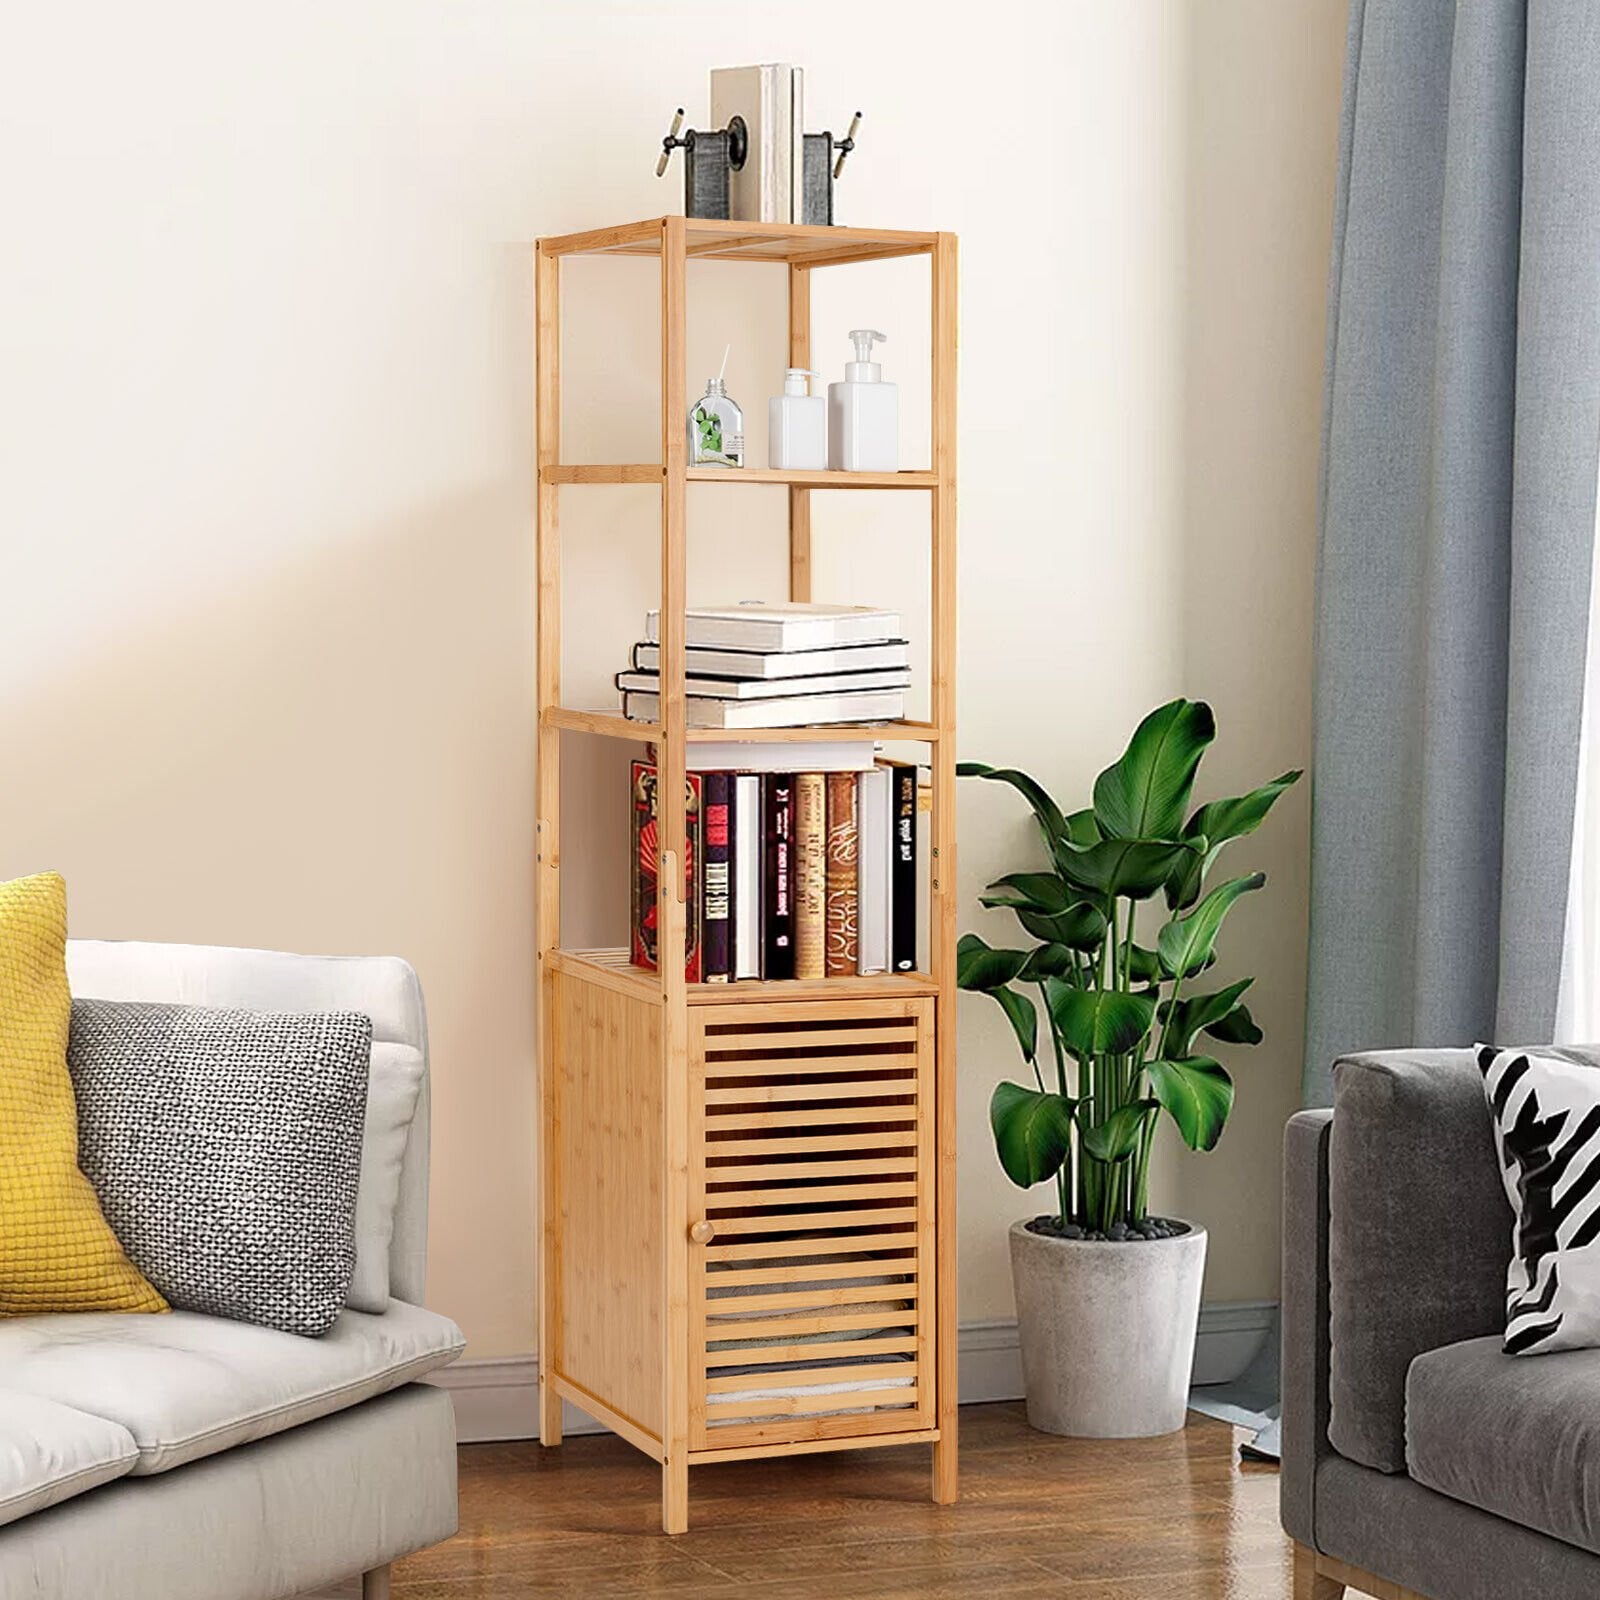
1107 1331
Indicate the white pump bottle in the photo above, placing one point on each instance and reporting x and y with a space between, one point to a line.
797 425
864 413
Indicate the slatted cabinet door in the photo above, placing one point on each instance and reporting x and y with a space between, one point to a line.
812 1262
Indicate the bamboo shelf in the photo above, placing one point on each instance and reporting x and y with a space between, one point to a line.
739 1182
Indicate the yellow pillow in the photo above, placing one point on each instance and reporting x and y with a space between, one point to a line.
57 1253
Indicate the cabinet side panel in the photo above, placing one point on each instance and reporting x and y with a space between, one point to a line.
607 1139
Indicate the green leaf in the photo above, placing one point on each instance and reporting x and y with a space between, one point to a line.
1044 891
988 971
979 966
1219 821
1082 829
1048 961
1053 824
1188 1016
1080 927
1098 1022
1132 867
1032 1132
1143 795
1186 942
1144 966
1198 1095
1238 1027
1118 1136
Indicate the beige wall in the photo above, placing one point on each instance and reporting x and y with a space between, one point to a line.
265 424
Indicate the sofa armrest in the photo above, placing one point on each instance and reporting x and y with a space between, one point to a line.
1304 1318
1419 1235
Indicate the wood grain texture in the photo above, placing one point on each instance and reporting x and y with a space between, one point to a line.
605 1132
799 497
1175 1518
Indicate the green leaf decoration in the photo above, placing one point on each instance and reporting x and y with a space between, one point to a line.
1117 1137
1238 1027
1196 1012
1144 966
1218 822
1032 1132
1185 944
1144 794
1048 961
988 971
1136 868
1044 891
979 966
1198 1095
1098 1022
1082 829
1051 822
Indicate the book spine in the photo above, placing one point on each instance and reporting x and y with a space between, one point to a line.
643 861
903 875
842 952
747 855
717 909
646 873
778 876
810 874
693 876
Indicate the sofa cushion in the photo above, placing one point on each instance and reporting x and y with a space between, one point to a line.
57 1252
392 1095
225 1146
1517 1438
186 1385
1419 1234
50 1452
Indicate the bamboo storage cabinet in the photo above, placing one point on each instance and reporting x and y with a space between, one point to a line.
739 1181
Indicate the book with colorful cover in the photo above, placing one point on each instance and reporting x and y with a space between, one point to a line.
716 911
646 865
842 891
810 874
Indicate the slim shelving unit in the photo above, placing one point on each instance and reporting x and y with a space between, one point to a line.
747 1190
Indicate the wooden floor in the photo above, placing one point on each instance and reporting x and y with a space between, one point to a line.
1159 1519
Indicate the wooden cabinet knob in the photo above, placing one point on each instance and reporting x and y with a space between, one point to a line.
702 1232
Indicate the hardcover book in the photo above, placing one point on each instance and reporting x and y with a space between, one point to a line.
780 625
874 839
903 875
747 854
645 876
830 683
777 797
842 951
779 663
810 874
717 895
788 711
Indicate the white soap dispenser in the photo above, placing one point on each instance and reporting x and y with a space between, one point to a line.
864 413
797 425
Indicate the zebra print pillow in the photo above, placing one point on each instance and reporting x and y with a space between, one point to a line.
1545 1107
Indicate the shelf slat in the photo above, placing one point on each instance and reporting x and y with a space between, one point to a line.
652 472
784 242
612 967
613 725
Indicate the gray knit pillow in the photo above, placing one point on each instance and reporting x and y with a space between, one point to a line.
225 1147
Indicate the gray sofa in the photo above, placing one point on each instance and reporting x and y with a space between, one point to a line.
1418 1460
183 1457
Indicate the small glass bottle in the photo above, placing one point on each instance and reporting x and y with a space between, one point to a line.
716 429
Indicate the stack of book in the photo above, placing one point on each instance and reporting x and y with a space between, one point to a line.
812 873
760 665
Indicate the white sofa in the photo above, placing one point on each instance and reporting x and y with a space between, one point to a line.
183 1457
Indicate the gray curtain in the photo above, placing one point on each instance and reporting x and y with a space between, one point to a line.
1461 437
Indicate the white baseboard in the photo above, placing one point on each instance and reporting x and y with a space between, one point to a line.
498 1398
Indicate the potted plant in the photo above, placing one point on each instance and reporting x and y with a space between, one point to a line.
1108 1297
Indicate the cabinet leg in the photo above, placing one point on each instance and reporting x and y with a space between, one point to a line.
549 1412
675 1495
375 1584
1309 1584
944 1472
